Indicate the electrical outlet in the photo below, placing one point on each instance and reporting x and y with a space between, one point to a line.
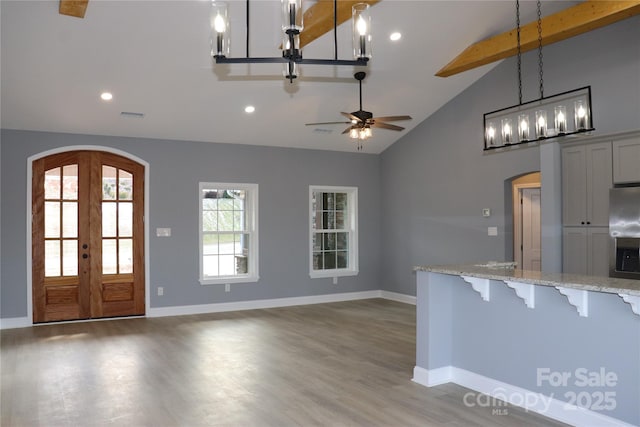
335 280
227 287
160 291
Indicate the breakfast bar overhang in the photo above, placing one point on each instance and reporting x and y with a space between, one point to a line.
566 346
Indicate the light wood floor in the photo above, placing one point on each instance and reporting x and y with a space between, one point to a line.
339 364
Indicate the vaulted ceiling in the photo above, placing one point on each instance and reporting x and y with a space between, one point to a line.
154 56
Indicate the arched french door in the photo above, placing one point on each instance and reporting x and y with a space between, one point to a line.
87 236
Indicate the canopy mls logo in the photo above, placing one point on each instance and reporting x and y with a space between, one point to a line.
583 394
595 400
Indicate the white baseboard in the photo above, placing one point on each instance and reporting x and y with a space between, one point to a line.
517 396
14 322
395 296
258 304
23 322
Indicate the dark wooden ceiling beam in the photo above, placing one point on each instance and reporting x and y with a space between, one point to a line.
75 8
567 23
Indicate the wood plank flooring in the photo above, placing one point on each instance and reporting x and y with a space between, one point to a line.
338 364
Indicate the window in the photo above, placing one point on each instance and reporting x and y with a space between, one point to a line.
333 231
228 233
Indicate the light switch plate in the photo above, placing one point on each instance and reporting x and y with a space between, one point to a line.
492 231
163 232
486 212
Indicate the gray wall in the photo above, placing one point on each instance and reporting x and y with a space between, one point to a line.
176 168
437 179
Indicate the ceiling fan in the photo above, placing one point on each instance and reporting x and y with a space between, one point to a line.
362 121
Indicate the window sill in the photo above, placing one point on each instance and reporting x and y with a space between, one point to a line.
229 279
321 274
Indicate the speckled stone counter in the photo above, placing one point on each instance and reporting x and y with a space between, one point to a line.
572 281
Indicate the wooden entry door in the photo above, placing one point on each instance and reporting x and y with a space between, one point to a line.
87 236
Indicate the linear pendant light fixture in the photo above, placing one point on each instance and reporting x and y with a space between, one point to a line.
292 26
564 114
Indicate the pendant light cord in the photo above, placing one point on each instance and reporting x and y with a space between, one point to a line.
519 52
335 29
539 7
247 45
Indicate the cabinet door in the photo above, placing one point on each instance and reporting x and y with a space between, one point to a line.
626 161
598 251
599 180
574 186
574 250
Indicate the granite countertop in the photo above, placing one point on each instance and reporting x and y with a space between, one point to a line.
505 271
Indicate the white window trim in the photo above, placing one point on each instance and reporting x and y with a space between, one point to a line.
352 195
252 222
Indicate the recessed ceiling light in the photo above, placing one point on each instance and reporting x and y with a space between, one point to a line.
106 96
249 109
395 36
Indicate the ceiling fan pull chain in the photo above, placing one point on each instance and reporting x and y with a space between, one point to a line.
539 6
519 53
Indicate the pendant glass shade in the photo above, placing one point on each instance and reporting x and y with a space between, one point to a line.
219 18
507 131
524 130
292 16
560 119
581 110
490 136
361 21
290 70
541 124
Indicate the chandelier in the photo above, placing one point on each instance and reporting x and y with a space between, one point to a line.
564 114
292 26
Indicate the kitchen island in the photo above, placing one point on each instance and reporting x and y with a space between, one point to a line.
566 346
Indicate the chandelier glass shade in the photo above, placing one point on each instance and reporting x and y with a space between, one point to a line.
292 26
564 114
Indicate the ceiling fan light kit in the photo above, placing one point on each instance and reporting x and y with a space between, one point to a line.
541 119
360 122
292 26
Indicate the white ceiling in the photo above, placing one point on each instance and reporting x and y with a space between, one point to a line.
154 57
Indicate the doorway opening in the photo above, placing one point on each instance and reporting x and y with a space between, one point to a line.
526 192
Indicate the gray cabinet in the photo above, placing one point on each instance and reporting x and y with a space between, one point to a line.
626 160
587 176
586 180
585 250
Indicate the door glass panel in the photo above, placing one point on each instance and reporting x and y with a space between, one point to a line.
125 219
108 183
125 185
70 182
125 254
70 219
51 219
52 258
109 219
69 257
109 257
52 184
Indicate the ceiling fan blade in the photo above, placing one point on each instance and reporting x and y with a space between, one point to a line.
350 116
347 130
327 123
75 8
392 118
386 126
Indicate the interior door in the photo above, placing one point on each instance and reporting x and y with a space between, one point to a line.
87 236
531 257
